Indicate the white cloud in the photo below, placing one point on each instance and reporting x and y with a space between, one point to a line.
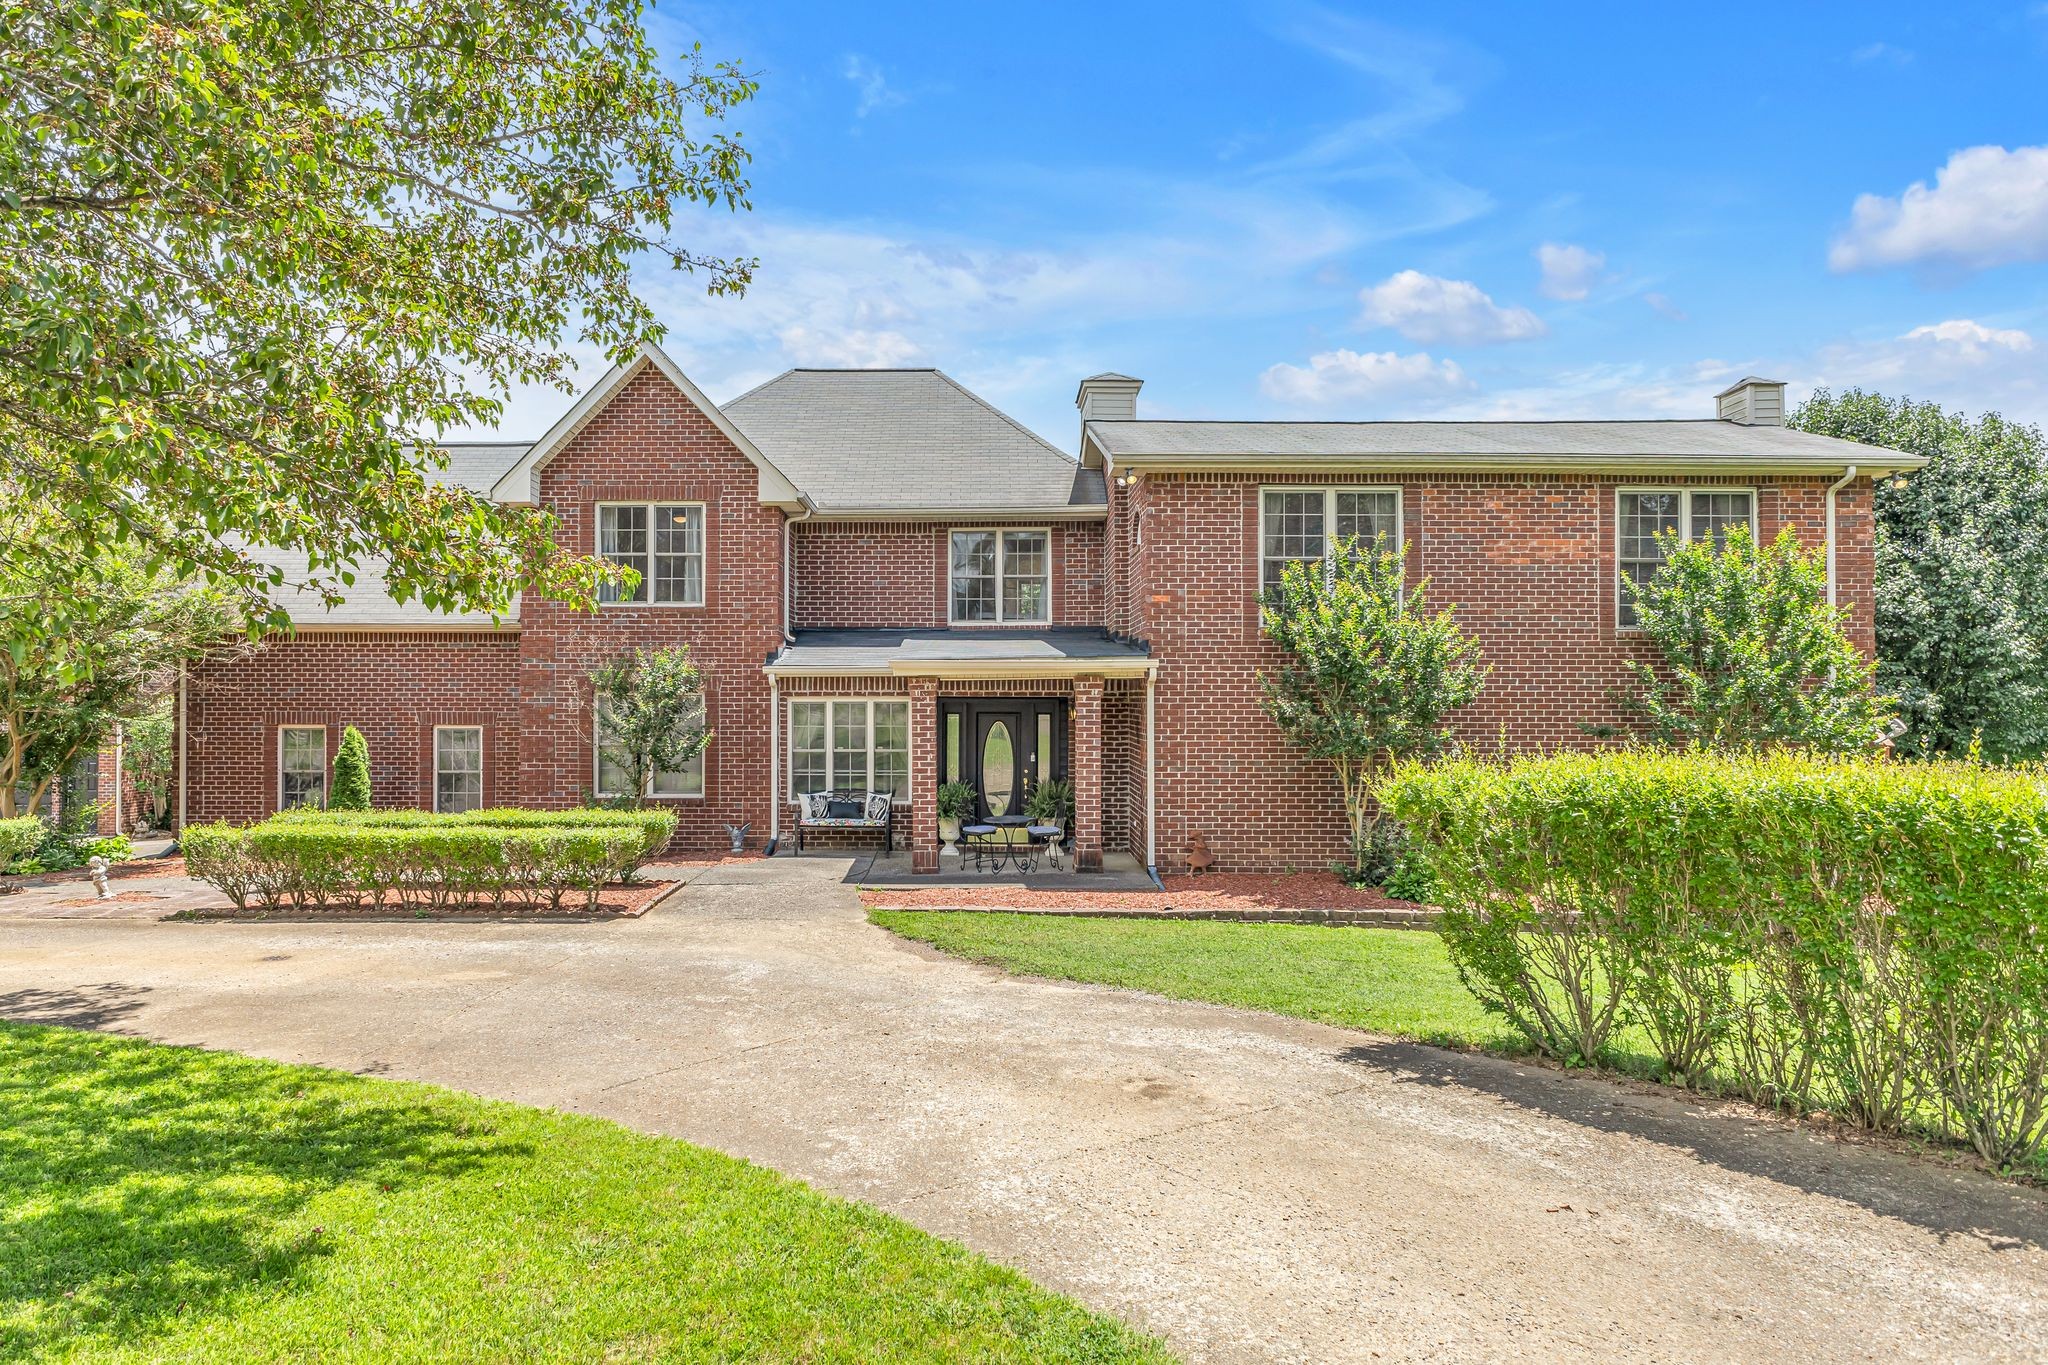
1662 305
848 348
1881 52
1428 309
1347 376
1961 364
1963 337
1988 206
1569 272
874 88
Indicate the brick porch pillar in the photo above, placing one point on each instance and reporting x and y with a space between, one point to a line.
924 775
1085 759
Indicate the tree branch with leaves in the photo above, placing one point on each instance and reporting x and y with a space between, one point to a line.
650 713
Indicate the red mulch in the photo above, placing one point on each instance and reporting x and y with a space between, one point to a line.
1212 891
616 901
119 897
172 866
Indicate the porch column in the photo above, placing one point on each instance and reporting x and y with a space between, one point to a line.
1085 759
924 775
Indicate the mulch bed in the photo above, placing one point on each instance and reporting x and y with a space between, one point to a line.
616 901
172 866
118 898
1216 894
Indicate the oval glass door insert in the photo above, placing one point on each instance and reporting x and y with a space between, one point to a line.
998 768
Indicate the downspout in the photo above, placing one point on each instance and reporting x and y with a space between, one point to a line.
1834 488
1151 790
120 733
789 569
774 764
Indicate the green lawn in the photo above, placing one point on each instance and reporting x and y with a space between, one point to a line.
1395 981
161 1203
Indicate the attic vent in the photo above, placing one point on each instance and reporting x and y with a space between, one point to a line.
1752 402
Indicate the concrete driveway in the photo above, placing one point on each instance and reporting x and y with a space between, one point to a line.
1251 1188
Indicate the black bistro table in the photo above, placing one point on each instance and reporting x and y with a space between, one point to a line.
995 847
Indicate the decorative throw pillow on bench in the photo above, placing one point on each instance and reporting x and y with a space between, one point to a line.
842 810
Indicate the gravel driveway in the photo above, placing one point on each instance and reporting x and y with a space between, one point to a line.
1252 1188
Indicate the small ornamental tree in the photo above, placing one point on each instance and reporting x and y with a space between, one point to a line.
1749 652
351 772
151 762
1371 671
650 713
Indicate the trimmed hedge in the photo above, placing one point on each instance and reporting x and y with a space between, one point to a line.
1863 937
323 859
19 838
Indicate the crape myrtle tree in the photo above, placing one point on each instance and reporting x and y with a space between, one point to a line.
1749 652
1962 572
255 256
650 713
1370 674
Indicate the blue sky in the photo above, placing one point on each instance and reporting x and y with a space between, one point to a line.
1381 211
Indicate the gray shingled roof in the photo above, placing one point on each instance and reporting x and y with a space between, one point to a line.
876 650
474 465
905 441
1537 443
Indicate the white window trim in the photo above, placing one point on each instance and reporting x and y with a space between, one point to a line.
792 796
1001 554
1329 492
325 776
648 793
647 568
1685 492
482 764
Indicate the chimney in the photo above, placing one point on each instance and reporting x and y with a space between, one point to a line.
1108 398
1752 402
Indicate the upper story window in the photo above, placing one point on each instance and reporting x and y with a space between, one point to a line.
1644 514
301 766
663 542
1303 523
1001 577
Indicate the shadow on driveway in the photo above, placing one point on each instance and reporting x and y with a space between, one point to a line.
1946 1202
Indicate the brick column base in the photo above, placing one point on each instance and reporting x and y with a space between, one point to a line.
924 775
1084 748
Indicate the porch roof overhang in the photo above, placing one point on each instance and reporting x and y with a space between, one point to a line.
1000 652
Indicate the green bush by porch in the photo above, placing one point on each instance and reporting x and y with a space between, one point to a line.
162 1203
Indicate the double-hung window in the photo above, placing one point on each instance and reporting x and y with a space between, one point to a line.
1297 524
614 773
663 542
301 766
1643 514
849 744
1001 577
458 768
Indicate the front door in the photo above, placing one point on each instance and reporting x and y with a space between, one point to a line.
1002 748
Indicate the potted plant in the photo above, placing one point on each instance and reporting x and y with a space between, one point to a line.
1052 803
956 803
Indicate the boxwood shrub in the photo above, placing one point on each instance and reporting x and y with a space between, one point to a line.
504 858
1869 938
18 838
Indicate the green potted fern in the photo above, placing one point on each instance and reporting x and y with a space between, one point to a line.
956 803
1052 803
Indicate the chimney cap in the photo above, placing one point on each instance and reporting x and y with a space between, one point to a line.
1751 381
1108 381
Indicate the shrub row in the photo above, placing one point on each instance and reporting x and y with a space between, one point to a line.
416 859
1866 938
19 837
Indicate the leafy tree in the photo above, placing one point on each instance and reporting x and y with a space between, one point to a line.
254 257
150 760
650 707
1962 572
74 663
1371 671
351 772
1749 652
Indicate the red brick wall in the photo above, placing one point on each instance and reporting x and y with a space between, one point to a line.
1529 563
877 574
393 686
651 444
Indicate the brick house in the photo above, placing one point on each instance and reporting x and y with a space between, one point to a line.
888 583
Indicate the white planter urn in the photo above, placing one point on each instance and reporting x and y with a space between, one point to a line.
949 835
